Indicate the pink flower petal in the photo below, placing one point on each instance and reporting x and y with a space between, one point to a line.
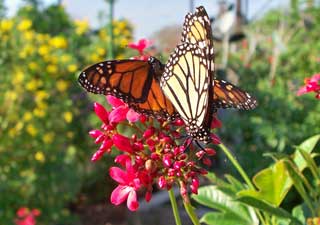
101 112
132 116
122 159
315 78
302 90
95 133
122 143
119 114
132 202
120 194
22 212
115 102
97 155
118 175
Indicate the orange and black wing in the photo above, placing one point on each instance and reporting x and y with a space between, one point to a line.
133 81
227 95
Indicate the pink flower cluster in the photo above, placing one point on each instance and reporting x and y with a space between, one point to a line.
155 153
27 216
312 84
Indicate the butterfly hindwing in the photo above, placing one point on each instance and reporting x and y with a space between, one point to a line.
227 95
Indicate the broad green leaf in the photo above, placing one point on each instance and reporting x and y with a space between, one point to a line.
271 183
298 213
308 146
298 180
266 207
229 209
215 218
311 164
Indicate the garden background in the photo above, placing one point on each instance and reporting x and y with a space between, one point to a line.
45 115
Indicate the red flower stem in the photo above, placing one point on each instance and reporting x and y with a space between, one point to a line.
174 207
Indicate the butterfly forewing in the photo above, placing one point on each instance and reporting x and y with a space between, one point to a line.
133 81
125 79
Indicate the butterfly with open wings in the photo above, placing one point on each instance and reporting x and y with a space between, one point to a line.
184 87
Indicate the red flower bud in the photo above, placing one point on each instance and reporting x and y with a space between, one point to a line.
149 132
210 151
166 160
162 182
95 133
148 196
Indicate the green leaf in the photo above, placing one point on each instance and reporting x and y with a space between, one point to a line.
229 210
266 207
308 146
298 181
311 164
298 213
222 219
272 184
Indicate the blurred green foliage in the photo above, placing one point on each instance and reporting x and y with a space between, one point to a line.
281 118
45 152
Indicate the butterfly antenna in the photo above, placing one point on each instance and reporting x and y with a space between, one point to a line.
199 145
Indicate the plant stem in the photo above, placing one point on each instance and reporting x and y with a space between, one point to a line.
243 174
237 165
174 207
190 210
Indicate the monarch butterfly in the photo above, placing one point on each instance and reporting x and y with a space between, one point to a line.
185 87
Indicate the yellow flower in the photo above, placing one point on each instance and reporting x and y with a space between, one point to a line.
48 138
82 26
27 116
62 85
6 25
24 25
94 57
68 116
40 113
65 58
18 78
28 35
72 68
11 96
116 31
103 34
42 37
41 95
120 56
32 130
101 51
39 156
58 42
52 68
122 25
43 50
33 85
124 42
33 66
